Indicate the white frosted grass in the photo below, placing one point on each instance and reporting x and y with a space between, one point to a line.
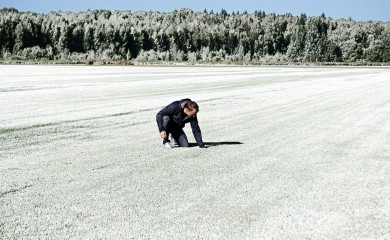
80 154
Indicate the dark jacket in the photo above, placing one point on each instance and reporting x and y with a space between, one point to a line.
177 115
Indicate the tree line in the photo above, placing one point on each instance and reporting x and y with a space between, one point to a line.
186 35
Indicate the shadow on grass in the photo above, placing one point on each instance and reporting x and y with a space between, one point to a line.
214 144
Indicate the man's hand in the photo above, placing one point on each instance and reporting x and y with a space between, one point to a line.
163 134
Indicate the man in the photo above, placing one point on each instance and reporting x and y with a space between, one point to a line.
171 121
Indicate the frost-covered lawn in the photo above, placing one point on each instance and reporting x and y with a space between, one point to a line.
295 153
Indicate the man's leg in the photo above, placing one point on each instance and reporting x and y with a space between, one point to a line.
181 137
177 132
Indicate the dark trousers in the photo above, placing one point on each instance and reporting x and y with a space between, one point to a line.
176 131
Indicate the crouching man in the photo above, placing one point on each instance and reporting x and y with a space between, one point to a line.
171 121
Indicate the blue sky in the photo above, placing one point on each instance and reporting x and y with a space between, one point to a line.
360 10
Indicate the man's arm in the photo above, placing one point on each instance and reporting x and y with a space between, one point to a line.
197 133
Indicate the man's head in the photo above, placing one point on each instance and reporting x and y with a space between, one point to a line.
191 108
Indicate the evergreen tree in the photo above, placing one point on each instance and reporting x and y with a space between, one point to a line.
186 35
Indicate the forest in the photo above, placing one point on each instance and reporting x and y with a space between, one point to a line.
188 36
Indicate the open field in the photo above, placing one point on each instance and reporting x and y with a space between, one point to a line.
295 153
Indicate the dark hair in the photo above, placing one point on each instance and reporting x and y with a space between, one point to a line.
191 105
